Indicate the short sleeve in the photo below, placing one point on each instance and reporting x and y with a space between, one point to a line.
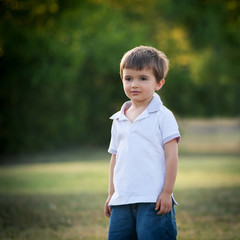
113 142
169 127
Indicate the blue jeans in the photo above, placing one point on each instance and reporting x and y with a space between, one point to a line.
140 222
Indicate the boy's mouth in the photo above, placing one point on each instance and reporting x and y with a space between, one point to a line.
135 92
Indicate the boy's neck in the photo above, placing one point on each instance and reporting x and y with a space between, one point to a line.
140 105
136 109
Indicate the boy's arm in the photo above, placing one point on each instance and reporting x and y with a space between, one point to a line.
107 209
164 201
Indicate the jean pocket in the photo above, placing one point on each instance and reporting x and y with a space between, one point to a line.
171 226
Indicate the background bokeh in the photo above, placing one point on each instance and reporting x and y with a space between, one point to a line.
59 63
59 83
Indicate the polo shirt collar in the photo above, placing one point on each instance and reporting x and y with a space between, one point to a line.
153 106
155 103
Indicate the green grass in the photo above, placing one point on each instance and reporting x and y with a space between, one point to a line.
61 195
65 200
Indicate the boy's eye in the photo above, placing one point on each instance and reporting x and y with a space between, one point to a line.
143 78
128 79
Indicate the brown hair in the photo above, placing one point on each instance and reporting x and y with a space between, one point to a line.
146 57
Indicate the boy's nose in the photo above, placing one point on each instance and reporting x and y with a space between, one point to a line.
134 83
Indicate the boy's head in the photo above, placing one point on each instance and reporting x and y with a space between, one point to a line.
145 57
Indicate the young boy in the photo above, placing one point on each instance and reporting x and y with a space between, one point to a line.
144 148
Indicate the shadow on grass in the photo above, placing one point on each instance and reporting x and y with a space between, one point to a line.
58 156
87 154
211 214
73 216
201 214
53 211
218 202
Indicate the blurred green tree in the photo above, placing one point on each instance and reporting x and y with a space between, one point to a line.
59 63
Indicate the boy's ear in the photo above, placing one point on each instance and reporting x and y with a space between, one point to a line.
160 84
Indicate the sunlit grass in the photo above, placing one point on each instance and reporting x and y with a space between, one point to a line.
74 177
65 200
208 172
89 176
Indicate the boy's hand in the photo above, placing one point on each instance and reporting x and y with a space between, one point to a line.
107 209
164 202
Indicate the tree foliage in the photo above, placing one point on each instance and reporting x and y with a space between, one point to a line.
59 63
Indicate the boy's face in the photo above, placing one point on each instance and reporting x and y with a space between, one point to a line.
139 85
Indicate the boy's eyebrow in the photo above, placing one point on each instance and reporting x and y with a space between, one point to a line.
141 75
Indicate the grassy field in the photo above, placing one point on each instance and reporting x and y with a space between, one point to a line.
61 195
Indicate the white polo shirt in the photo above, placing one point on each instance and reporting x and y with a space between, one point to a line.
139 172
